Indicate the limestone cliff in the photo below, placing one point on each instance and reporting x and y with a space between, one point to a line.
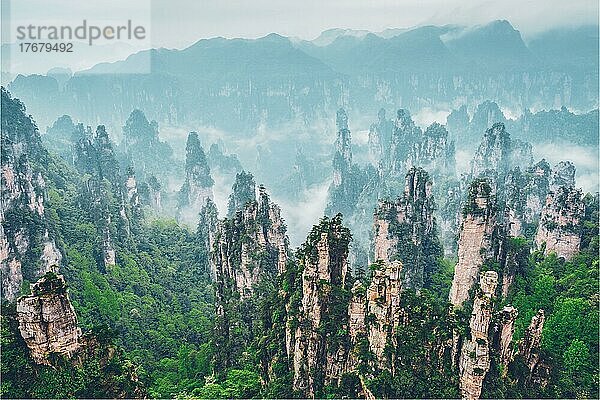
111 200
154 194
250 246
525 194
143 147
434 151
95 198
449 198
563 174
197 187
318 356
493 152
560 223
475 243
219 160
47 320
529 350
131 188
405 230
357 311
383 307
353 190
499 153
246 253
27 245
508 316
474 360
405 135
243 191
486 114
379 139
411 147
206 231
343 151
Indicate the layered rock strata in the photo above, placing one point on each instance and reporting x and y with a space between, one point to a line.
47 320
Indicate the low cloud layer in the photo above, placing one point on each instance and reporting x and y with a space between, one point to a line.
584 158
302 215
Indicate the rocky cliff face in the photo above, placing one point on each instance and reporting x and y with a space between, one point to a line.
342 160
563 174
457 122
197 188
486 114
379 140
47 320
154 197
435 152
27 246
529 349
383 307
206 231
250 246
410 146
318 359
247 254
353 188
405 230
525 194
560 223
404 136
449 195
243 191
508 316
221 161
112 201
475 243
499 153
143 147
131 188
474 360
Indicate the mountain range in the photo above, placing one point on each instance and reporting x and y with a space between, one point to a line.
234 84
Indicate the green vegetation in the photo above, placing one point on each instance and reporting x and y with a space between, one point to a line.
156 324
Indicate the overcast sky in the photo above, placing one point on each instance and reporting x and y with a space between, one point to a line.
177 23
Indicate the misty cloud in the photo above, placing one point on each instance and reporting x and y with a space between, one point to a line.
301 216
584 158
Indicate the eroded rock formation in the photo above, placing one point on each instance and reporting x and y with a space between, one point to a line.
411 147
560 223
563 174
475 242
249 246
379 140
343 150
317 360
499 153
383 307
525 194
474 360
47 320
197 187
529 350
508 316
405 230
243 191
27 245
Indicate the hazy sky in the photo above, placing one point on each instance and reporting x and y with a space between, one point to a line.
176 23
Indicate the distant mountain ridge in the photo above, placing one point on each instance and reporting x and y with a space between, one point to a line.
239 84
